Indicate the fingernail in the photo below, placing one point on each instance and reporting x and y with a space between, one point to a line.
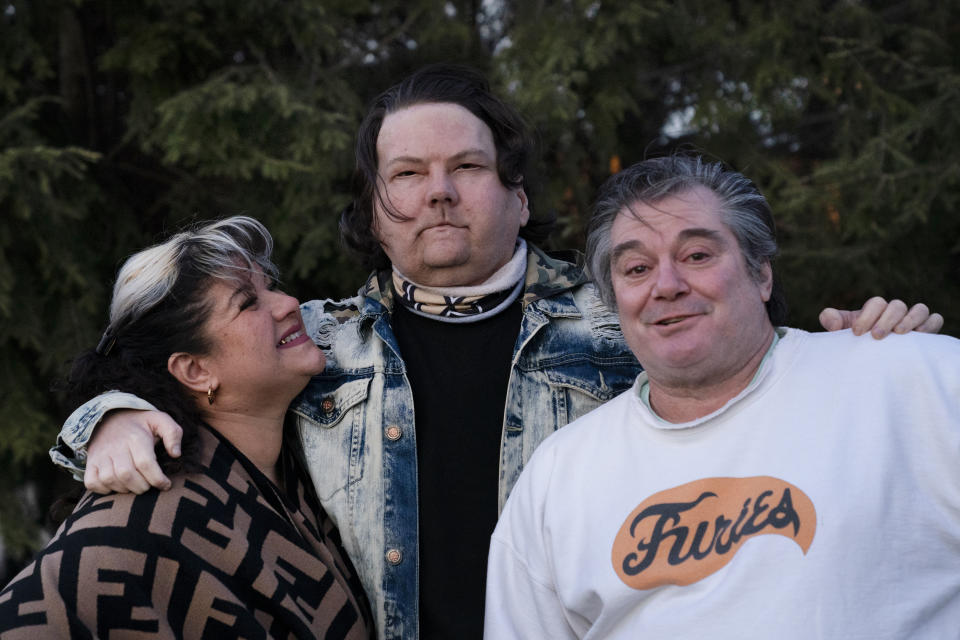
176 450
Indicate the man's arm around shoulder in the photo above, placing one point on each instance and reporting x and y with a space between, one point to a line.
70 452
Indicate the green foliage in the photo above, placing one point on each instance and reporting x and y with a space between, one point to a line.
841 112
44 201
121 121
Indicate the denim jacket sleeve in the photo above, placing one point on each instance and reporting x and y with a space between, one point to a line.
70 452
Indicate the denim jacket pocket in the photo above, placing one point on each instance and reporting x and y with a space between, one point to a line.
331 422
581 390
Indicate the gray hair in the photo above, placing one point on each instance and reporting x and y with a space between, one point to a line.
221 250
743 210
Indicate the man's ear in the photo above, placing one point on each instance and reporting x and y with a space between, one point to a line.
524 207
766 281
192 372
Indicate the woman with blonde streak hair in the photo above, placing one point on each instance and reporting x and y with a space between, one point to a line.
239 547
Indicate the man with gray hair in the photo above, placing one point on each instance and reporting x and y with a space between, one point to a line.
647 516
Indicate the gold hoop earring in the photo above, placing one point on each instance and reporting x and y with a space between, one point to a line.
210 394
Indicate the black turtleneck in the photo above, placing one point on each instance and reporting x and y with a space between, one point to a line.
459 374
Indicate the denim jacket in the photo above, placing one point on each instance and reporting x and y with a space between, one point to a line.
356 418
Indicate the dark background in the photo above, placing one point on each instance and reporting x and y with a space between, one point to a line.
121 121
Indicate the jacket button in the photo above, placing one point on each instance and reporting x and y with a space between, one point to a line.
393 432
327 406
394 556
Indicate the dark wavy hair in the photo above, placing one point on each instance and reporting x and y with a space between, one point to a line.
160 307
744 211
442 83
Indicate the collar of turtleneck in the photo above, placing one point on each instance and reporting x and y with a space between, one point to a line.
466 304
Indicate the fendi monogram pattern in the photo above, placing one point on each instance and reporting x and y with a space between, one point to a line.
220 555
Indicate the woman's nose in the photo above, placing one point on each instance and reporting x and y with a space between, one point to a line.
284 305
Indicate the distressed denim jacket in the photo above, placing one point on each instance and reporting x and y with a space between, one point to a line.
356 418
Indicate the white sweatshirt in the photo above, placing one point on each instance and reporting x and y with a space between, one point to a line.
821 502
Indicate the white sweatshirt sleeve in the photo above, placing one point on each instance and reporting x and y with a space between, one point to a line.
522 601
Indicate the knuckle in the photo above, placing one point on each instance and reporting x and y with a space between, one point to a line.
171 428
141 461
131 436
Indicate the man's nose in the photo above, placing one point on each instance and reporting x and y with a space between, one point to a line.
441 189
670 282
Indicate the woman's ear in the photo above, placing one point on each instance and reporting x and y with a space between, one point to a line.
192 372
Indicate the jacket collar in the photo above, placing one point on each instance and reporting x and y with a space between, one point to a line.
552 278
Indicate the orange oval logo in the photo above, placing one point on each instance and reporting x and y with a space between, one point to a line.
684 534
